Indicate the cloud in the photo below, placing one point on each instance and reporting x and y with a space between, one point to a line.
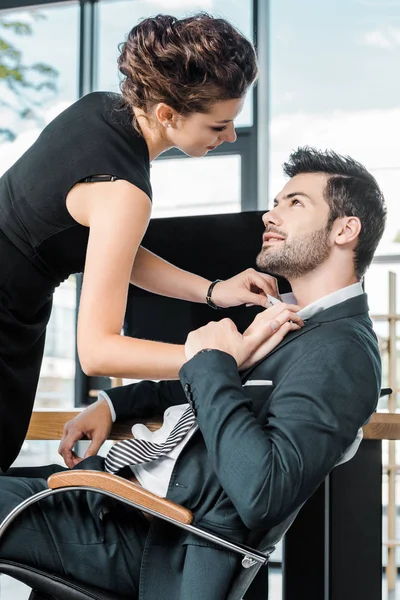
387 38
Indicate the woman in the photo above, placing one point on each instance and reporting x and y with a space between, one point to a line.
80 199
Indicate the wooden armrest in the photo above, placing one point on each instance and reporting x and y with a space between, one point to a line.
122 487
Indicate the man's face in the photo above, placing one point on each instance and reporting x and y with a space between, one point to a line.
297 239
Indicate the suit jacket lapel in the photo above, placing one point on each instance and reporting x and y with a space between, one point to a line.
349 308
289 338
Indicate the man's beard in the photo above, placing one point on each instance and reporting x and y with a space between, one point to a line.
298 257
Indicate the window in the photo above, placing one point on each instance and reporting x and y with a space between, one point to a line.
332 86
198 186
40 50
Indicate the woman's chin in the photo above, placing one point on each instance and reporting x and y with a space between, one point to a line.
195 152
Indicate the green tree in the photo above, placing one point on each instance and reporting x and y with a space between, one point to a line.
22 85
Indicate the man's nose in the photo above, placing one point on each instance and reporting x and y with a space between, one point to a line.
271 218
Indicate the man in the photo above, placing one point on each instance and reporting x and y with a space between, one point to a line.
267 430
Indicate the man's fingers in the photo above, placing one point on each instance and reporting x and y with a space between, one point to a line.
94 447
288 315
76 459
68 455
265 323
70 436
285 328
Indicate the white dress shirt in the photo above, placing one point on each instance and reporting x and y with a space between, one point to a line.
155 475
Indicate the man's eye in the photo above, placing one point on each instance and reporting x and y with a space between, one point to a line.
218 128
296 202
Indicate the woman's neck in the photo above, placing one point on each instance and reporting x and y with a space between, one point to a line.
152 133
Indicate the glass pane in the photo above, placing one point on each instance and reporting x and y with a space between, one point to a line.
35 84
333 85
196 186
117 17
48 84
377 287
38 79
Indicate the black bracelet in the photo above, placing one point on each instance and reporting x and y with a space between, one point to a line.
208 296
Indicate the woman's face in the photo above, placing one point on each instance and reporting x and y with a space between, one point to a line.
200 133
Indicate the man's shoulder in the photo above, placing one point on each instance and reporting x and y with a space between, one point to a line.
322 342
354 331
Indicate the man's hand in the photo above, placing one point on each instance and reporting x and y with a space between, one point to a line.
95 422
282 318
265 332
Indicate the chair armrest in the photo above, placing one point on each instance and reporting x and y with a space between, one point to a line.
132 494
123 488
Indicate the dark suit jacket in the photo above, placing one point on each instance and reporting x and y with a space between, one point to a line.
260 451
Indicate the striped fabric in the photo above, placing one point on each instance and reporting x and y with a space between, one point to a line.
134 452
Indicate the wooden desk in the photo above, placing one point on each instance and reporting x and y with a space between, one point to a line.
48 425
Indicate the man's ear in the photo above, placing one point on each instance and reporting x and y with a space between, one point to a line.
346 230
165 115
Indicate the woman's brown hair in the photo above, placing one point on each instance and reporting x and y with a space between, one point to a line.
187 63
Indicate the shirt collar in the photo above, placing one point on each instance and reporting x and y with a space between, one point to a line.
325 302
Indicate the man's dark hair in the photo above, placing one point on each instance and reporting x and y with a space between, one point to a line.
350 191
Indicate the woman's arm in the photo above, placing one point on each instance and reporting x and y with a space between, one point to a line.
154 274
117 214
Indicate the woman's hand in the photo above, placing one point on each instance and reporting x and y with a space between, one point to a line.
266 331
95 422
248 287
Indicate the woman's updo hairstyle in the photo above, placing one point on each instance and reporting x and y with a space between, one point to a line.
187 63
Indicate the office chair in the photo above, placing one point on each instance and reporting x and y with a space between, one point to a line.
49 586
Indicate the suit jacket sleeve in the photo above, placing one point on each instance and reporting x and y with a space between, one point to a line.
145 399
268 469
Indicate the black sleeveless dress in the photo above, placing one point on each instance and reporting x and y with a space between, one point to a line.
41 244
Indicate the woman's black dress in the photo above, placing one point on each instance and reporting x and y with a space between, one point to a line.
41 244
